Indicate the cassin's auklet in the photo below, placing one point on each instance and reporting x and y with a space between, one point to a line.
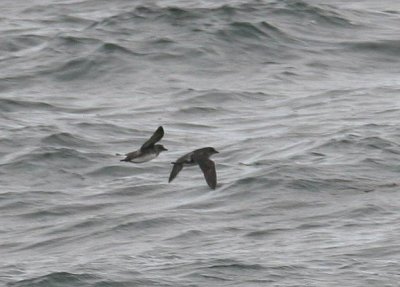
149 150
200 157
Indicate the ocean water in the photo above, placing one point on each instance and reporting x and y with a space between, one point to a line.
301 99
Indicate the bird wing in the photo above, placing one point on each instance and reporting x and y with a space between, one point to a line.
175 170
158 134
208 168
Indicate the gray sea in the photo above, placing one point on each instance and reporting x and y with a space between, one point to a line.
300 97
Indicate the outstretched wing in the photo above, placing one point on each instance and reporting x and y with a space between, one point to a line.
175 170
158 134
208 168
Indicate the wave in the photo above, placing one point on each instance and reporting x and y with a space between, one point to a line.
221 23
234 264
321 14
379 51
198 35
20 45
357 145
44 154
114 171
57 279
67 140
141 226
191 35
12 105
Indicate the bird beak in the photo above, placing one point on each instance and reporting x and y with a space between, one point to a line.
216 151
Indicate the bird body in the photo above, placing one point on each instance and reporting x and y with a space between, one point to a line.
200 157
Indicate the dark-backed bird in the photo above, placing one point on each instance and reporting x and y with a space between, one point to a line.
202 158
149 150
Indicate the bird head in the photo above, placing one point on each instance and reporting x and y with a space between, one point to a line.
212 150
160 148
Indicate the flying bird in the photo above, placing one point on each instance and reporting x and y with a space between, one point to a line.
149 150
200 157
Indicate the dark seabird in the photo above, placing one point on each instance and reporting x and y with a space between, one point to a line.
200 157
149 150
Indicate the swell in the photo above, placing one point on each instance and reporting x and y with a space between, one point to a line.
175 14
64 57
327 15
379 51
86 55
67 140
21 44
48 154
57 279
94 50
225 23
356 146
50 167
12 105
